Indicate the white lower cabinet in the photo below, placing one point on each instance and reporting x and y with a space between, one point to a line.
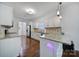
10 47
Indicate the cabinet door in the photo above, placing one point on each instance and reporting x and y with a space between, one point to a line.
6 15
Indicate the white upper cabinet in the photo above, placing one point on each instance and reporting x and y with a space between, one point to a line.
6 15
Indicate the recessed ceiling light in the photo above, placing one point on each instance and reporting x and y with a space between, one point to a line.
30 11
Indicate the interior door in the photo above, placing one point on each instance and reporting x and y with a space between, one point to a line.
22 28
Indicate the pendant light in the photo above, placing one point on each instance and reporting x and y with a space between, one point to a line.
58 11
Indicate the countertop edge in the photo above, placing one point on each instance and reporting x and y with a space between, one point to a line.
54 40
9 37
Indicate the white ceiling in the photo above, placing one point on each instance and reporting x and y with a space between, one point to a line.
43 9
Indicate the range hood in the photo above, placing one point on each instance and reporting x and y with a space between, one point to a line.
7 26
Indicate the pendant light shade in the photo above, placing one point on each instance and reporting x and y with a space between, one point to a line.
58 11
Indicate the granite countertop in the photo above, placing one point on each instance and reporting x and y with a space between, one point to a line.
51 39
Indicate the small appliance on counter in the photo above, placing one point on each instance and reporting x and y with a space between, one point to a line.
2 33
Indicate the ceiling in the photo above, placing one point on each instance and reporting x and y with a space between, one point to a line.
42 9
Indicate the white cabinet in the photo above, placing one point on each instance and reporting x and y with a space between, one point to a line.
6 15
10 47
50 48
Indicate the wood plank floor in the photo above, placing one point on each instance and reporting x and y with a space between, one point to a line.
70 53
33 49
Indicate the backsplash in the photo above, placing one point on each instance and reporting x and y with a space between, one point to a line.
54 32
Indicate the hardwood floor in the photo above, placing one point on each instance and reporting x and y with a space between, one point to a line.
32 50
70 53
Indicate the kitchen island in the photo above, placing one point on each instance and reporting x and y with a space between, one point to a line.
50 48
51 41
10 46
